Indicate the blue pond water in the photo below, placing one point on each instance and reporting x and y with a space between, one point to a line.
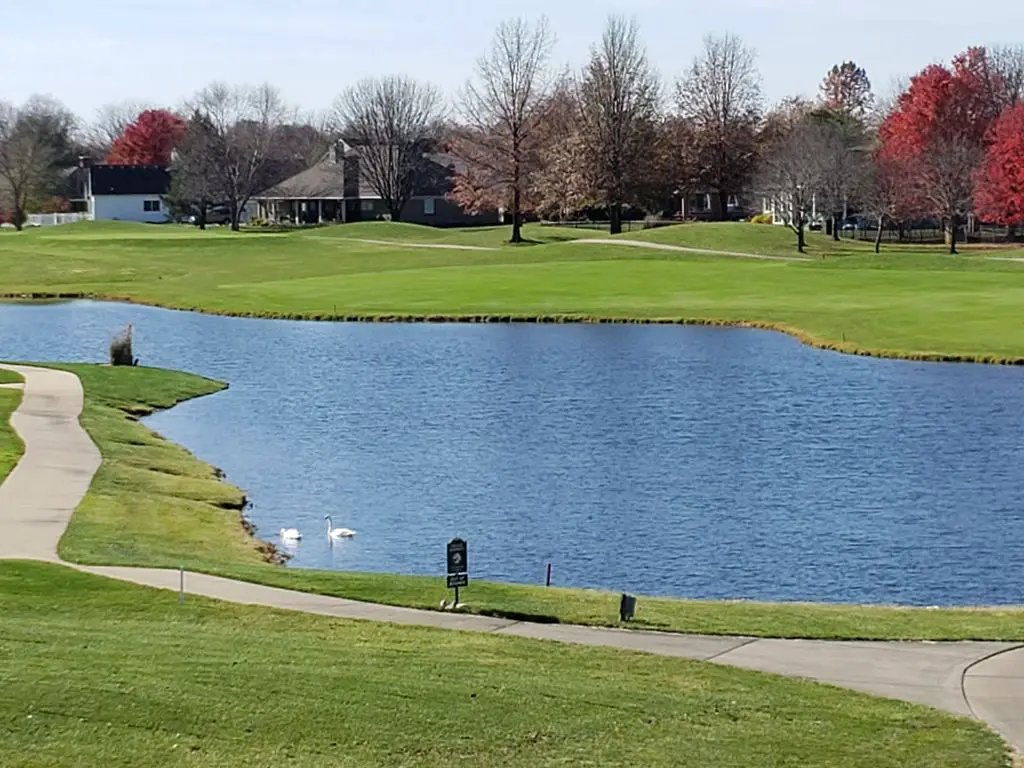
695 462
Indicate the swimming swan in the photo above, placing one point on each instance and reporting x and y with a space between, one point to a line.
291 534
338 533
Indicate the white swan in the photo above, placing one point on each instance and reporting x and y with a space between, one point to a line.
291 534
338 533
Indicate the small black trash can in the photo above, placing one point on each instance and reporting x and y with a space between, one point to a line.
627 607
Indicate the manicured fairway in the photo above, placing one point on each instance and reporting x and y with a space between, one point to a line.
97 672
903 303
152 503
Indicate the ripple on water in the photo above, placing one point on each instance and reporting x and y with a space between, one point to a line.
690 461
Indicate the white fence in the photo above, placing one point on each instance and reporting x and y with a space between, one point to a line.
53 219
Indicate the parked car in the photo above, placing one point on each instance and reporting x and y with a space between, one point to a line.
213 217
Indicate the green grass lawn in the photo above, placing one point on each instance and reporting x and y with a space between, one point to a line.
97 672
906 302
153 503
11 446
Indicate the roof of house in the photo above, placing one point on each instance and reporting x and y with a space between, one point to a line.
326 179
130 180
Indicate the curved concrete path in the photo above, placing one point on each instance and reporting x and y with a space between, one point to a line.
684 249
983 680
404 244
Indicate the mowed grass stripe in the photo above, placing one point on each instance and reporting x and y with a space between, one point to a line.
910 302
97 672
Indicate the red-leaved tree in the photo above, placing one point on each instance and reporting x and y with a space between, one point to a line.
999 184
149 140
936 136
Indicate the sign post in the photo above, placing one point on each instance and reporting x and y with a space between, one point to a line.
458 567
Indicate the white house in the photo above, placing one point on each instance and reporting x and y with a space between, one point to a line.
124 193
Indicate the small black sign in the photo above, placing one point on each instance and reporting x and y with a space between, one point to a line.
457 561
458 580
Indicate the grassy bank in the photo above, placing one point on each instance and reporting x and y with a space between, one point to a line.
11 446
214 684
906 303
153 503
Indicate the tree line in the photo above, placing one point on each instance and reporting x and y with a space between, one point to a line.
532 139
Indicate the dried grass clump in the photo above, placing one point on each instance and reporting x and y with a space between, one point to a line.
121 349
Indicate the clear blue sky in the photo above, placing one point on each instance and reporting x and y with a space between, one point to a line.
160 52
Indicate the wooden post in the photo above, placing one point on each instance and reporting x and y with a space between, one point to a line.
549 575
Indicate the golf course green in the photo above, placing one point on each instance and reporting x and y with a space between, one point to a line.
906 302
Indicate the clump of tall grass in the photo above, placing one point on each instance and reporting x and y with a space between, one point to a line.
121 349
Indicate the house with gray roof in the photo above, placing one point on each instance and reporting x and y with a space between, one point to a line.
334 190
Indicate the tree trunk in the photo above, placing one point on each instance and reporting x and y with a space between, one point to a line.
951 235
236 215
517 190
396 211
835 227
1011 233
723 204
801 240
615 215
878 236
517 221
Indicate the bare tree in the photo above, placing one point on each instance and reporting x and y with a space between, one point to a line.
109 125
619 111
791 173
35 140
881 195
502 108
887 103
844 160
391 121
721 96
193 171
561 186
246 122
1008 62
945 183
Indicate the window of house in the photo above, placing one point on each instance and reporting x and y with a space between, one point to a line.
428 206
733 202
366 206
151 206
702 203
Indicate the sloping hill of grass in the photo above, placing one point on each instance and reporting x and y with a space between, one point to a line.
212 684
151 502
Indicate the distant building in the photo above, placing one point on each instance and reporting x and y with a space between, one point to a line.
334 190
706 206
121 192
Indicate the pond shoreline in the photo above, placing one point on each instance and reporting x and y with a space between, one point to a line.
842 347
